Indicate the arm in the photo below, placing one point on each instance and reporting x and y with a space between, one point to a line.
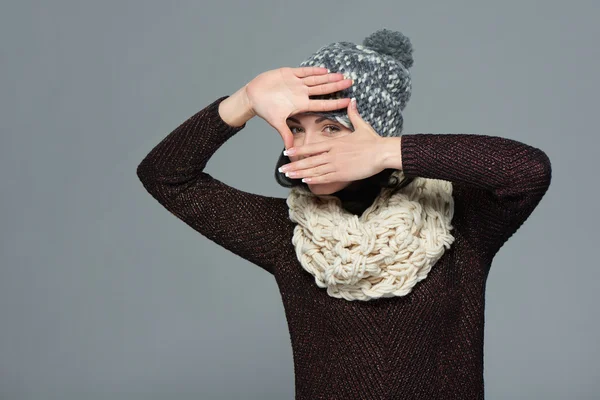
500 181
249 225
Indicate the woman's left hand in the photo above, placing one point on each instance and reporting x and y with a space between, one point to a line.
351 157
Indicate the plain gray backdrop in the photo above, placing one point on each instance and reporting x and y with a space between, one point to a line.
106 295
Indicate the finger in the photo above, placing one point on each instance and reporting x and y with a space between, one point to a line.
320 79
329 87
325 178
312 149
286 134
328 105
318 170
302 72
353 114
310 162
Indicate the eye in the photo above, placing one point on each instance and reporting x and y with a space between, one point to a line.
333 128
336 129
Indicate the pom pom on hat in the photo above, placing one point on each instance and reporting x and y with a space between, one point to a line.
392 43
380 70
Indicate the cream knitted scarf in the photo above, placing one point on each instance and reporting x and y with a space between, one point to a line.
382 253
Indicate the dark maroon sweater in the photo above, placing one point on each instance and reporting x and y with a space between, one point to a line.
425 345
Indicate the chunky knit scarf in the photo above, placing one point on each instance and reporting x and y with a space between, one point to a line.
384 252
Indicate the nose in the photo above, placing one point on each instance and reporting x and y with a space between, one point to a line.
309 137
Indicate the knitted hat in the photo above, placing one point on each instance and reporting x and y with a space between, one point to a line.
382 84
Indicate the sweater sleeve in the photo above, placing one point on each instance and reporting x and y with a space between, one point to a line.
500 181
250 225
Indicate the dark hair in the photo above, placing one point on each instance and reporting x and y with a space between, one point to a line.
383 179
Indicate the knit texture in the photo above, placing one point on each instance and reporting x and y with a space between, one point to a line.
382 84
385 251
424 346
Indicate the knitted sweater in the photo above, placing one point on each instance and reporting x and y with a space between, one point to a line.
425 345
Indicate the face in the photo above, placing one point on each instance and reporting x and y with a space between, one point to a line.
308 128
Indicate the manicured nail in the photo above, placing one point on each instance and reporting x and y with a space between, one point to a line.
289 152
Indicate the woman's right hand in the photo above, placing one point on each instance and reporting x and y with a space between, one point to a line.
280 93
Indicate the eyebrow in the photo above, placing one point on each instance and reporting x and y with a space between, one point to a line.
316 122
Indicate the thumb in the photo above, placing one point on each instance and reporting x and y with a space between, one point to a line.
353 114
286 135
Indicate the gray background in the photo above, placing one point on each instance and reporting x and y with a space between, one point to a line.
106 295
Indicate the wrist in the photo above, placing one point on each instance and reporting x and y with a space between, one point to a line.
391 152
248 109
236 110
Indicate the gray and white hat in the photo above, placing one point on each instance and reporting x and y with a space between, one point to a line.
382 84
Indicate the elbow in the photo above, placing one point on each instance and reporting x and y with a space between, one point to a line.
532 177
540 173
152 183
146 173
149 169
143 172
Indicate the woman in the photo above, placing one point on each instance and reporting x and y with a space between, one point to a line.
382 256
